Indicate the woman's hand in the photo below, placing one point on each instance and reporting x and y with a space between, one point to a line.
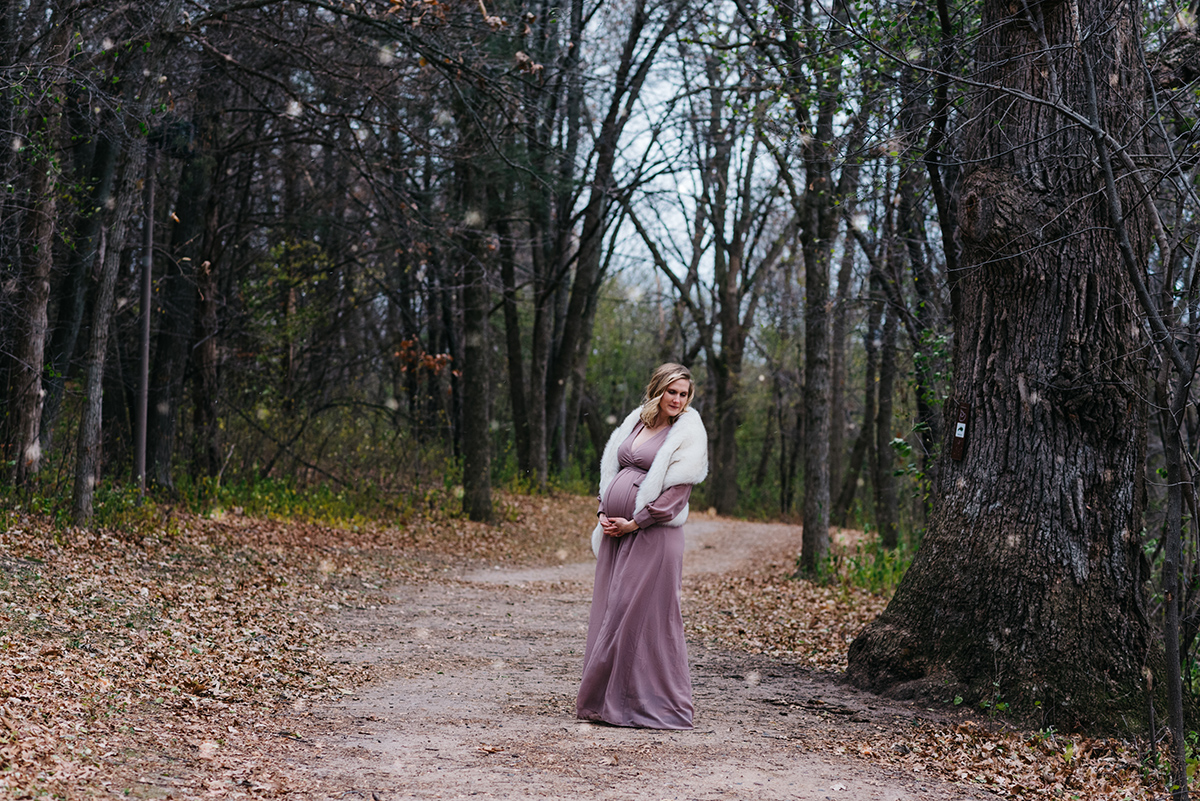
617 526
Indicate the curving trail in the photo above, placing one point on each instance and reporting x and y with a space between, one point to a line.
475 698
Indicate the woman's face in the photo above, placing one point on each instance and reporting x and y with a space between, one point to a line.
674 397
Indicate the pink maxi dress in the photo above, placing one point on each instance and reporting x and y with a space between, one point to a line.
635 666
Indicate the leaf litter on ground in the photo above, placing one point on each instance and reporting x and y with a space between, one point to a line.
173 656
763 610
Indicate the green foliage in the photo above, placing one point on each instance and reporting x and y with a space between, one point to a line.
933 358
122 509
575 480
283 303
756 434
868 566
996 705
326 503
14 503
115 507
626 343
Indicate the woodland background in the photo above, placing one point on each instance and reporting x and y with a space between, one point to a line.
620 184
406 253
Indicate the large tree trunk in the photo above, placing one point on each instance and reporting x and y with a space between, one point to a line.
476 417
89 442
815 535
38 238
37 235
1028 584
72 295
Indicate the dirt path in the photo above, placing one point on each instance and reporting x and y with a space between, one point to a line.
476 690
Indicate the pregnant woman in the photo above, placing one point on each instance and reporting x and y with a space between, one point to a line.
635 668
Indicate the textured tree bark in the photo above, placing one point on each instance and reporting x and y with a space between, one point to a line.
837 371
27 391
72 296
37 231
815 536
819 225
89 448
883 480
476 437
207 451
474 414
1029 583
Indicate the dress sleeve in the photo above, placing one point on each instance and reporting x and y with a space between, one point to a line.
665 507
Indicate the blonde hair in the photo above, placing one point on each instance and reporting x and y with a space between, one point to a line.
663 377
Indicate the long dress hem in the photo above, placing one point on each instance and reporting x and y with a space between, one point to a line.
635 670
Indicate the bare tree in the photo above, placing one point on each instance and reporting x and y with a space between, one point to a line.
740 228
38 230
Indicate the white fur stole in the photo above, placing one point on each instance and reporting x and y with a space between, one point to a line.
682 459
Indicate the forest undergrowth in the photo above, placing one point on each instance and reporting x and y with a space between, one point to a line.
180 641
